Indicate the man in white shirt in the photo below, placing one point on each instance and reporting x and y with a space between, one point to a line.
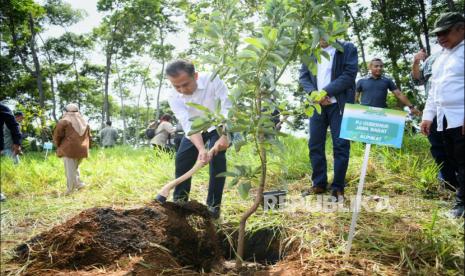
192 87
446 97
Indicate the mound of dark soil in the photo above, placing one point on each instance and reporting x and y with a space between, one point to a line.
145 241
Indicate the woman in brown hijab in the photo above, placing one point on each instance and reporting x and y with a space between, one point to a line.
72 139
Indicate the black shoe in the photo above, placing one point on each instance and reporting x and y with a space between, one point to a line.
458 211
338 195
160 198
214 212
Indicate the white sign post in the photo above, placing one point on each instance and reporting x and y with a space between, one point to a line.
370 125
47 146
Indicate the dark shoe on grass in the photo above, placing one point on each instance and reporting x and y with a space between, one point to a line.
458 211
316 190
160 198
338 195
214 212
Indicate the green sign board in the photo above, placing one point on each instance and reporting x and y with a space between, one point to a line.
373 125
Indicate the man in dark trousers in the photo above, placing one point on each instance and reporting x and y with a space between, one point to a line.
336 76
446 98
7 118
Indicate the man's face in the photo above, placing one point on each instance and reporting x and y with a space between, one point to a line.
451 37
184 83
19 119
323 43
376 68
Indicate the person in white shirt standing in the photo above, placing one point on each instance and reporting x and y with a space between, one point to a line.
192 87
446 97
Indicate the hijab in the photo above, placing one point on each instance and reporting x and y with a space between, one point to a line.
73 116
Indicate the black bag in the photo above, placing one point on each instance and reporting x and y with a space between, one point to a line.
150 133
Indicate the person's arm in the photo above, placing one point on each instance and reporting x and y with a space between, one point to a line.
305 79
358 91
59 133
403 99
197 140
417 74
347 78
428 114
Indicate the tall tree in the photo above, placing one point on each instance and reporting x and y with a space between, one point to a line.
127 27
21 20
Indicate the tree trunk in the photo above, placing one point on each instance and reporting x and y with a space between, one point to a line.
424 25
121 94
451 5
54 102
76 73
106 103
389 44
35 58
162 74
252 209
359 39
138 111
147 102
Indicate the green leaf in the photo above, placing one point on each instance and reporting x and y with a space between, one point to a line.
227 174
244 189
247 54
315 37
255 42
199 107
337 46
279 60
233 182
273 34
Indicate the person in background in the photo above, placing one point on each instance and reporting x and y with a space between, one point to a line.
72 139
422 76
192 87
162 133
446 98
337 77
108 136
8 119
373 89
8 143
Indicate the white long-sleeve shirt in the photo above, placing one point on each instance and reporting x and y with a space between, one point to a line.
206 94
446 97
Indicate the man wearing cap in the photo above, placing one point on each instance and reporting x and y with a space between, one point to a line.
421 75
446 98
8 141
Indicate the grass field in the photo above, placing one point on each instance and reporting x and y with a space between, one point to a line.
413 236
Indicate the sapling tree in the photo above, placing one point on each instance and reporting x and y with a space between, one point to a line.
251 52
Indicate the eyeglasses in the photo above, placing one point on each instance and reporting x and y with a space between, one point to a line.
443 33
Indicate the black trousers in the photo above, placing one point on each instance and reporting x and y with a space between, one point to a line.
438 151
454 143
186 156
